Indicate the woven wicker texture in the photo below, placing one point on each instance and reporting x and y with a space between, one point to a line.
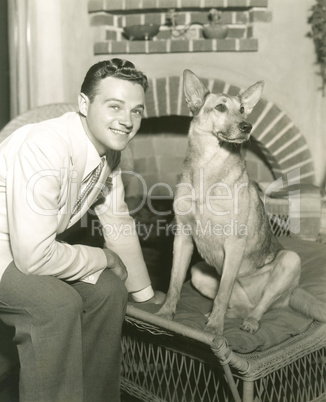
36 115
165 365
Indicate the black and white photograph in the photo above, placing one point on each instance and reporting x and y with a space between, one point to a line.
162 200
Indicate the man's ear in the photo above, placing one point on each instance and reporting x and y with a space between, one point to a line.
250 97
83 103
194 90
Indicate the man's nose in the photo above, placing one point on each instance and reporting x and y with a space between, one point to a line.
126 119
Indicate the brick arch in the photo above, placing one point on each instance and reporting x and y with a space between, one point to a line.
281 142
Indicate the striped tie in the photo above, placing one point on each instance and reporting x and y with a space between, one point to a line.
89 187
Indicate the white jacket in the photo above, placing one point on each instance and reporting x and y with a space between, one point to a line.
41 169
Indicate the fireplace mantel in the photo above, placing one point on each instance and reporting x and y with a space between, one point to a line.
108 17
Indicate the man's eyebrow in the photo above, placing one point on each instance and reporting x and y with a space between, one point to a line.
114 100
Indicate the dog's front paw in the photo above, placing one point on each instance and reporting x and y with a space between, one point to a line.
250 325
166 313
214 327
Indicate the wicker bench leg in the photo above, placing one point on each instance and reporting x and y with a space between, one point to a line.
231 382
248 391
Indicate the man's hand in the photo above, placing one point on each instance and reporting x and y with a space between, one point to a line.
158 298
115 264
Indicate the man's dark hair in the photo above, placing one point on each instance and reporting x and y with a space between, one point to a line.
117 68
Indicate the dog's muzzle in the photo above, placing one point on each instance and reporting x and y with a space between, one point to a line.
245 127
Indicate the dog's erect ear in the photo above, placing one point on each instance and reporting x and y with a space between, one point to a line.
195 91
251 96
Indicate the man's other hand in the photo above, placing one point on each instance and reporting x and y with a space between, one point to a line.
158 298
115 264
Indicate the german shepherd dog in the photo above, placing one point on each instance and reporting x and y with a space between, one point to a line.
247 270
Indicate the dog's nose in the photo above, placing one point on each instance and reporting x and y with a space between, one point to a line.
245 127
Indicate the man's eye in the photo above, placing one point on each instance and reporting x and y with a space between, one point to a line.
114 107
221 108
138 112
242 110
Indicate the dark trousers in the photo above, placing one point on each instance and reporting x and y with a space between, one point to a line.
67 335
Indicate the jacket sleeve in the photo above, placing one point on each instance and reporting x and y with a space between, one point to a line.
121 236
34 189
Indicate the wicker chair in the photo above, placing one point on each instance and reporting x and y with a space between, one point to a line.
36 115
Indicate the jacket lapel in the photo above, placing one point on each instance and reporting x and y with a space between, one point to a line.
78 156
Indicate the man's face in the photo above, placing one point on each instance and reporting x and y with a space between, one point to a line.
114 116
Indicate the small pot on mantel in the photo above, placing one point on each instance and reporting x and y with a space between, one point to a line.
141 32
215 30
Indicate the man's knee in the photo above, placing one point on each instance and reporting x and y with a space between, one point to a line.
109 292
43 298
64 304
113 288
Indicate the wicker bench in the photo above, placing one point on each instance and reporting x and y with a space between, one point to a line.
166 361
173 362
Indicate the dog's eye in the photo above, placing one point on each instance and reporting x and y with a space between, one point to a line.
221 108
241 109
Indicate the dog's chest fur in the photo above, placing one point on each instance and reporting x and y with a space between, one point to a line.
216 199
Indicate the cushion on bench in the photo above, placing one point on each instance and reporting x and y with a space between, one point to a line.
278 324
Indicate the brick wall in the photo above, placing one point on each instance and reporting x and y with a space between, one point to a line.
158 160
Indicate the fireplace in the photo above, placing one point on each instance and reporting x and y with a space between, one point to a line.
276 148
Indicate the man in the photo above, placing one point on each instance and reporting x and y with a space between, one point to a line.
67 302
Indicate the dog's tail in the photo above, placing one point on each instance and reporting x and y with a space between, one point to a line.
308 305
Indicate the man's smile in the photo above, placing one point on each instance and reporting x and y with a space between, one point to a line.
120 132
